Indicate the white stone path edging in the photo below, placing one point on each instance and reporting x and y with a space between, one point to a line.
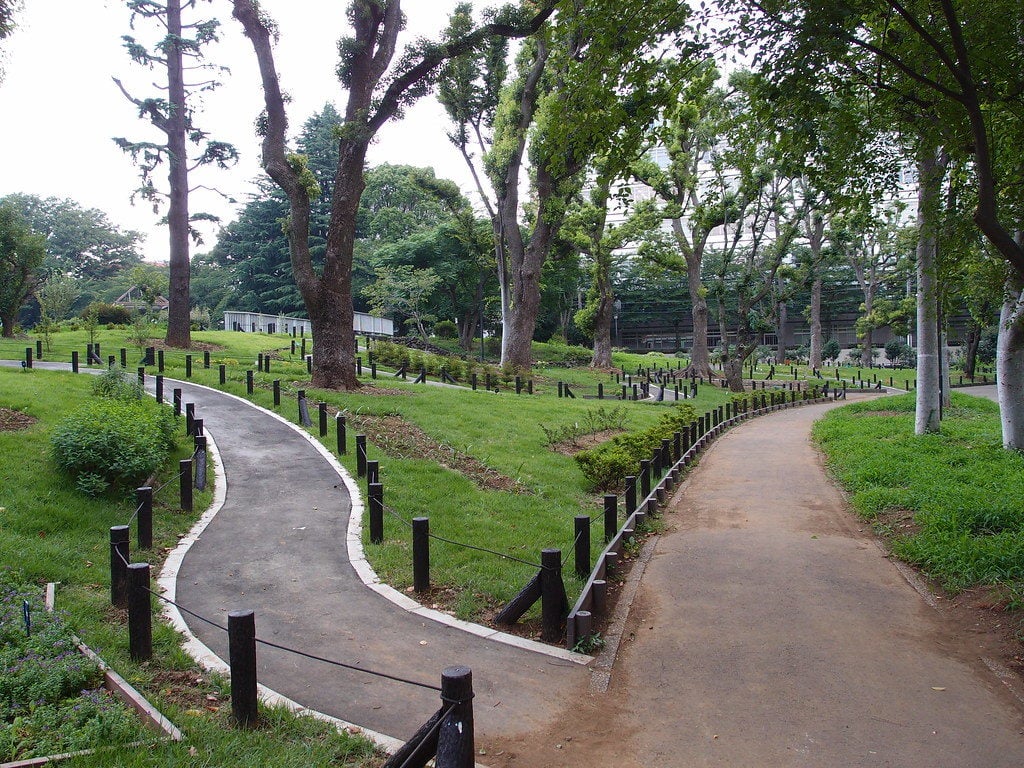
167 581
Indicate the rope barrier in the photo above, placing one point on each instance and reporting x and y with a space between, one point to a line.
466 546
183 609
348 666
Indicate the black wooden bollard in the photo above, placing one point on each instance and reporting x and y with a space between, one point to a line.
666 454
519 385
372 472
600 391
140 613
473 381
249 382
630 482
159 388
185 484
119 554
200 459
677 446
487 382
90 354
28 357
584 624
142 376
124 357
361 455
339 421
322 417
303 350
277 392
144 516
359 366
222 373
176 396
206 358
599 597
645 478
293 346
39 349
259 361
560 385
373 370
625 392
309 364
582 545
611 516
421 554
190 418
304 419
188 366
552 595
456 746
74 361
160 361
242 659
266 363
375 492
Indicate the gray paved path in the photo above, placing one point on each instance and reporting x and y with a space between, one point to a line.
770 630
278 547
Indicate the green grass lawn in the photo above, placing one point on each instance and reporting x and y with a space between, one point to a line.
960 492
49 532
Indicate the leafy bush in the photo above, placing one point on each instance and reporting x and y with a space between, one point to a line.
117 384
113 443
108 314
606 466
446 329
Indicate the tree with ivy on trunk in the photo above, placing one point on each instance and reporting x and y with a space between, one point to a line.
21 255
179 52
380 83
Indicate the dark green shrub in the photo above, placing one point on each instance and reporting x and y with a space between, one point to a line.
113 443
605 466
109 314
446 329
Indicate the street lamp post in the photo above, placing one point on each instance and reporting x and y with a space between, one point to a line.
618 309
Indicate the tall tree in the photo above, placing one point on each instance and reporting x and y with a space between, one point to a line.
179 53
960 63
575 86
80 242
21 256
696 125
377 91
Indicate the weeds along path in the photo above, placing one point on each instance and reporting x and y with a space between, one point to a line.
278 547
770 630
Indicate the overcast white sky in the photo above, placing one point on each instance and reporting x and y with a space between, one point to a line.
59 108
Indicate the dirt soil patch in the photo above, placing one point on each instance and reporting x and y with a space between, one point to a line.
400 439
12 420
574 445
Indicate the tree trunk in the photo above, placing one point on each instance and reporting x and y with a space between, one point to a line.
1010 364
780 347
928 403
944 377
179 329
602 357
9 322
518 344
971 343
817 341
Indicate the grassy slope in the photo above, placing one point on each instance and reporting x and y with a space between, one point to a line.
963 489
49 532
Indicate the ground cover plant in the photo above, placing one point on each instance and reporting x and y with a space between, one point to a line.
950 502
51 698
50 532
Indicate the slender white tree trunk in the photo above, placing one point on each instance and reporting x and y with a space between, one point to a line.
947 400
1010 364
928 365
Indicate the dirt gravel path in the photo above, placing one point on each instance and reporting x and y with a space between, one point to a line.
770 630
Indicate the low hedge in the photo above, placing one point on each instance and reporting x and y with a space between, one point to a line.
606 466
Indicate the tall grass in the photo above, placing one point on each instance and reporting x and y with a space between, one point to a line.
962 488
